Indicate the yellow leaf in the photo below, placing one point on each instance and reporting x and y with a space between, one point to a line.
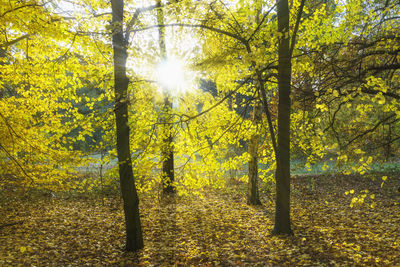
384 178
358 151
22 249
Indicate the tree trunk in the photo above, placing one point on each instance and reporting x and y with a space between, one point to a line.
2 55
282 209
253 197
134 239
167 148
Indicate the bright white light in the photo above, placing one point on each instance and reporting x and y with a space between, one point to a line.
171 76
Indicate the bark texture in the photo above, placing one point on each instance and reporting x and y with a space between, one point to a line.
168 173
282 209
134 239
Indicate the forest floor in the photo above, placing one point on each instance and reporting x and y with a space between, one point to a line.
218 229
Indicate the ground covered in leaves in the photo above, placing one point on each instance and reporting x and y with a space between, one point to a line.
218 229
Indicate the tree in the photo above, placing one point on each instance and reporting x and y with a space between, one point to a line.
36 116
167 147
351 86
253 197
282 208
134 239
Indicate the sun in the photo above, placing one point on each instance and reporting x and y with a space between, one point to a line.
170 74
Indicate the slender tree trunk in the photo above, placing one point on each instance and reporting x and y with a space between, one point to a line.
282 209
167 149
2 55
253 197
134 239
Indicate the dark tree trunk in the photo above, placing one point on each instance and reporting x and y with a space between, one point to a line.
253 197
167 149
282 209
2 55
134 239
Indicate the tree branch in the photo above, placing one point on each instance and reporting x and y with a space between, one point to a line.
374 92
135 15
7 44
20 7
267 113
232 35
261 22
370 130
221 101
17 163
296 28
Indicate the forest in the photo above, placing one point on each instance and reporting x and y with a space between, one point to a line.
200 133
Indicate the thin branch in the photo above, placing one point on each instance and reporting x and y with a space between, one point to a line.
17 163
235 36
261 22
233 16
240 117
386 67
221 101
20 7
268 114
370 130
390 142
7 44
374 92
296 28
135 15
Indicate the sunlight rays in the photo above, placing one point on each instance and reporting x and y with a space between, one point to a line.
170 74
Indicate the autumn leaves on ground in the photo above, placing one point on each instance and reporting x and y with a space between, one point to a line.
216 228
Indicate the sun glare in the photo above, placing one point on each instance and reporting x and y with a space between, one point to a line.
171 76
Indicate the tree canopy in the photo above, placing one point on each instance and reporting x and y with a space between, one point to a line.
184 96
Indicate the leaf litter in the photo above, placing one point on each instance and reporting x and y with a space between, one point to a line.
217 229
